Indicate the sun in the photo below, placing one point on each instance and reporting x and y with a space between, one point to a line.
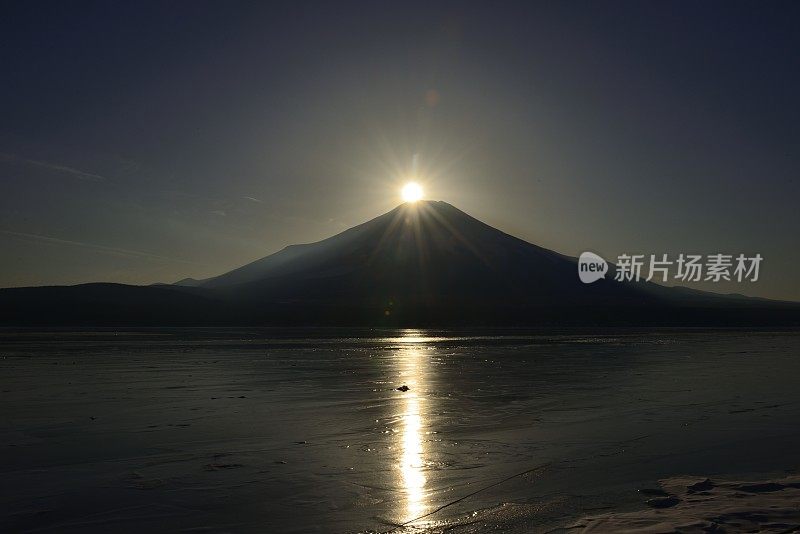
411 192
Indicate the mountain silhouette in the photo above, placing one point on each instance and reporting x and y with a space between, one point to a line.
426 263
425 253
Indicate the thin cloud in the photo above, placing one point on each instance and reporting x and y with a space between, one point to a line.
100 248
254 199
77 173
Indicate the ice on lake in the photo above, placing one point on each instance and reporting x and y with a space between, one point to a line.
304 430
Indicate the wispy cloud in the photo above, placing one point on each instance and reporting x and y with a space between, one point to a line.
55 167
100 248
254 199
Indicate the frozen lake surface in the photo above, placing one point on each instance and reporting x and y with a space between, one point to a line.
261 430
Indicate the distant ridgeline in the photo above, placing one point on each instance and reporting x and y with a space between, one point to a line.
423 264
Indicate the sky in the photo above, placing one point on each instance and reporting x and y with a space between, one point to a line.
146 142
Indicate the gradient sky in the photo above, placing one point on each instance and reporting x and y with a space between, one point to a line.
144 142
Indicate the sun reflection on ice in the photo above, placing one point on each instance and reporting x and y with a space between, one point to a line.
412 461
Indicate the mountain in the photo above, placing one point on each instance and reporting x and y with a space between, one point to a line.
426 263
427 253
